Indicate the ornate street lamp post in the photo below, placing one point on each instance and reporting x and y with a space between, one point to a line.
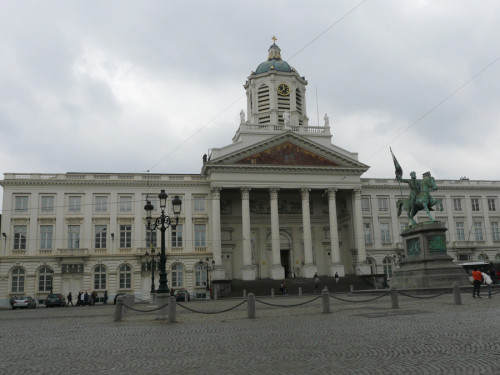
162 223
208 268
153 266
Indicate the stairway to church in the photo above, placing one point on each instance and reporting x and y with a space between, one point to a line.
263 287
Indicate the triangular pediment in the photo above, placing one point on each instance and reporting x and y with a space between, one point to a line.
287 153
288 150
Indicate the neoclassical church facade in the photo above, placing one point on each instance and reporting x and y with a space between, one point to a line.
279 201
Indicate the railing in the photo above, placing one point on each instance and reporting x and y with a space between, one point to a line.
73 252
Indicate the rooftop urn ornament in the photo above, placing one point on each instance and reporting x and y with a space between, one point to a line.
419 197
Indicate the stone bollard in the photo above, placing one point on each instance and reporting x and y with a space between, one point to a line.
215 294
394 298
457 298
300 291
162 300
172 309
118 309
186 297
325 297
272 292
152 298
251 306
244 293
352 288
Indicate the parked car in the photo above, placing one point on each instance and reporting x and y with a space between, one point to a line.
22 302
55 300
118 295
180 295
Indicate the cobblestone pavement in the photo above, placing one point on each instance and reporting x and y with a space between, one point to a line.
423 336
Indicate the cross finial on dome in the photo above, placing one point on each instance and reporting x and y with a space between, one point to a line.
274 39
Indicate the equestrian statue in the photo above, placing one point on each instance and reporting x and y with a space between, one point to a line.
420 197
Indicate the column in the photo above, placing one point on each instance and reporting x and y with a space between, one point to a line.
277 270
309 268
218 272
336 266
361 268
248 271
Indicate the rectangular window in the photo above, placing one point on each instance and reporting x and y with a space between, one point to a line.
74 204
478 231
177 236
47 203
440 204
73 236
383 204
492 206
199 204
101 204
495 231
365 204
46 236
21 203
475 204
199 235
125 203
457 204
100 236
20 233
150 238
367 233
460 231
385 233
125 236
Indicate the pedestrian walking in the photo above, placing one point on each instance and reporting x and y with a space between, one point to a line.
487 280
70 300
281 288
86 299
337 278
79 299
105 297
477 278
285 289
316 282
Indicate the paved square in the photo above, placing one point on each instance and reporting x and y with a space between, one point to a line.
424 336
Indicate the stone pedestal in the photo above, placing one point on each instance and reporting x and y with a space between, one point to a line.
248 273
337 268
308 270
426 264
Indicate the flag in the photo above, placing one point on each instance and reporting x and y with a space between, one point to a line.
399 170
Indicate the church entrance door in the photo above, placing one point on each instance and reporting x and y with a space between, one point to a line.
285 261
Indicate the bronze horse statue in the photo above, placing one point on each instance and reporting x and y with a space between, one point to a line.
423 199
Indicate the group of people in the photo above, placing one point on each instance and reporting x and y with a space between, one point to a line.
86 299
479 277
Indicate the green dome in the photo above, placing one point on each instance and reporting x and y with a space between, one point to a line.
274 62
278 65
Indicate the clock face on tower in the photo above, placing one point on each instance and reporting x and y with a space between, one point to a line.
283 89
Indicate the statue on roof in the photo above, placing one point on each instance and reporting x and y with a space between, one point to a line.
242 116
327 121
286 119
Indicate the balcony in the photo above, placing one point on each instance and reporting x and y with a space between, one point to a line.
73 252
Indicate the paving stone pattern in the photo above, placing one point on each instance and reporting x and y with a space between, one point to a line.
423 336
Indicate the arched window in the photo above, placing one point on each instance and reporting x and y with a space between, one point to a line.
45 279
388 267
177 276
201 275
125 277
17 281
100 277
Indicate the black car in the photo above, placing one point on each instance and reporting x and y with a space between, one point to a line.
181 294
55 300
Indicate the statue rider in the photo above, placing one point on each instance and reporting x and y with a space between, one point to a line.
415 186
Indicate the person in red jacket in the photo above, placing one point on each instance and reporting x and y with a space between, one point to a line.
477 278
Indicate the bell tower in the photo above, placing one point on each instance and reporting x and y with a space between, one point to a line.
273 89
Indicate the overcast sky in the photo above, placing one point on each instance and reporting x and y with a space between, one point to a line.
130 86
